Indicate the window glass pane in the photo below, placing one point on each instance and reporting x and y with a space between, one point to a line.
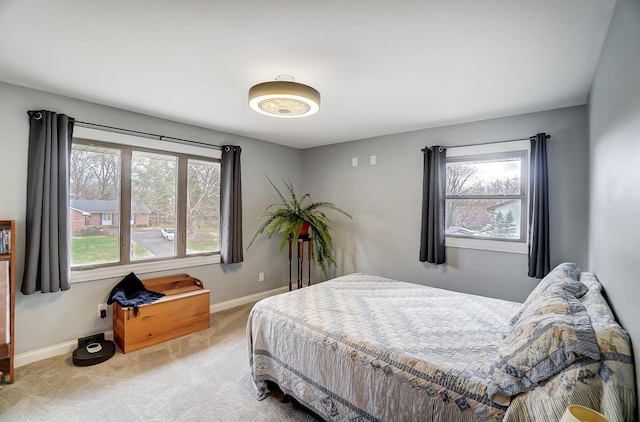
153 205
484 177
95 204
203 207
484 218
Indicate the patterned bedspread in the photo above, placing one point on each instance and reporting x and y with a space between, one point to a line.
367 348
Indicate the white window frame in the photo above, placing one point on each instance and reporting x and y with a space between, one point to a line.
103 219
89 273
490 244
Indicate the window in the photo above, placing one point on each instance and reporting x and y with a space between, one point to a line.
135 204
203 206
107 219
486 197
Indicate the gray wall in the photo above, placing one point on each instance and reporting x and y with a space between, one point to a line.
47 319
614 129
385 201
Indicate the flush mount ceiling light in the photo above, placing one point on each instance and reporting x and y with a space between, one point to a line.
284 99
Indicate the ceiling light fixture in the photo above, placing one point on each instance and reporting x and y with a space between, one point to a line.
283 98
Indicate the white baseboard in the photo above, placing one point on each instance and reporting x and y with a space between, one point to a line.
69 346
51 351
217 307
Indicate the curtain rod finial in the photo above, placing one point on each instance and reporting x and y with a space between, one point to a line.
35 114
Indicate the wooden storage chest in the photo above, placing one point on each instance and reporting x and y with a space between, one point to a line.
183 310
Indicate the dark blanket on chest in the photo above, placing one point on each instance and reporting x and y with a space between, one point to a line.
130 292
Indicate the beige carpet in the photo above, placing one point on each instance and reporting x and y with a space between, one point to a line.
199 377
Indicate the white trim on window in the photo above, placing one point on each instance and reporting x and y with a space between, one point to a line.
101 273
106 219
138 141
494 148
487 244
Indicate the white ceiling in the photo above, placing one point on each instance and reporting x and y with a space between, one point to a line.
381 67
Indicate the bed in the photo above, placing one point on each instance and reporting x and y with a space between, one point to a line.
367 348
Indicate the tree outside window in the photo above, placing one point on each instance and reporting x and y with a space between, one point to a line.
486 196
164 213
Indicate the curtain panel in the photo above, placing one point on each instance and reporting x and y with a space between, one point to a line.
432 235
47 265
230 206
539 261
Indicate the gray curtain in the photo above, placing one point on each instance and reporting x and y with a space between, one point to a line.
230 206
47 254
539 264
432 248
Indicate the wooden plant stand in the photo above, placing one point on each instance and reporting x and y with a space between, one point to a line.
300 269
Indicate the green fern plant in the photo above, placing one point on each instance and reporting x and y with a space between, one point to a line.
286 218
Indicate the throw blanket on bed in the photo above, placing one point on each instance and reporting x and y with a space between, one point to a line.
313 342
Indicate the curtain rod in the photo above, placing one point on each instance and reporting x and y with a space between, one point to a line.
160 137
487 143
114 129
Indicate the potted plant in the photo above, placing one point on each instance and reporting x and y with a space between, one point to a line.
292 218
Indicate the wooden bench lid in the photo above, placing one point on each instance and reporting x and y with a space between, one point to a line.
173 284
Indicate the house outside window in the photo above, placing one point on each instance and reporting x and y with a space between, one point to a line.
486 203
127 196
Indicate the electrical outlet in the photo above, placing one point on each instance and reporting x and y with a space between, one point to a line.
260 276
102 307
372 160
354 161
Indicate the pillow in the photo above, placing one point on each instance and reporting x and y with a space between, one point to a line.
566 275
570 269
552 333
590 280
597 306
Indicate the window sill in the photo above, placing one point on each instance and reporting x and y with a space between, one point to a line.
102 273
487 245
